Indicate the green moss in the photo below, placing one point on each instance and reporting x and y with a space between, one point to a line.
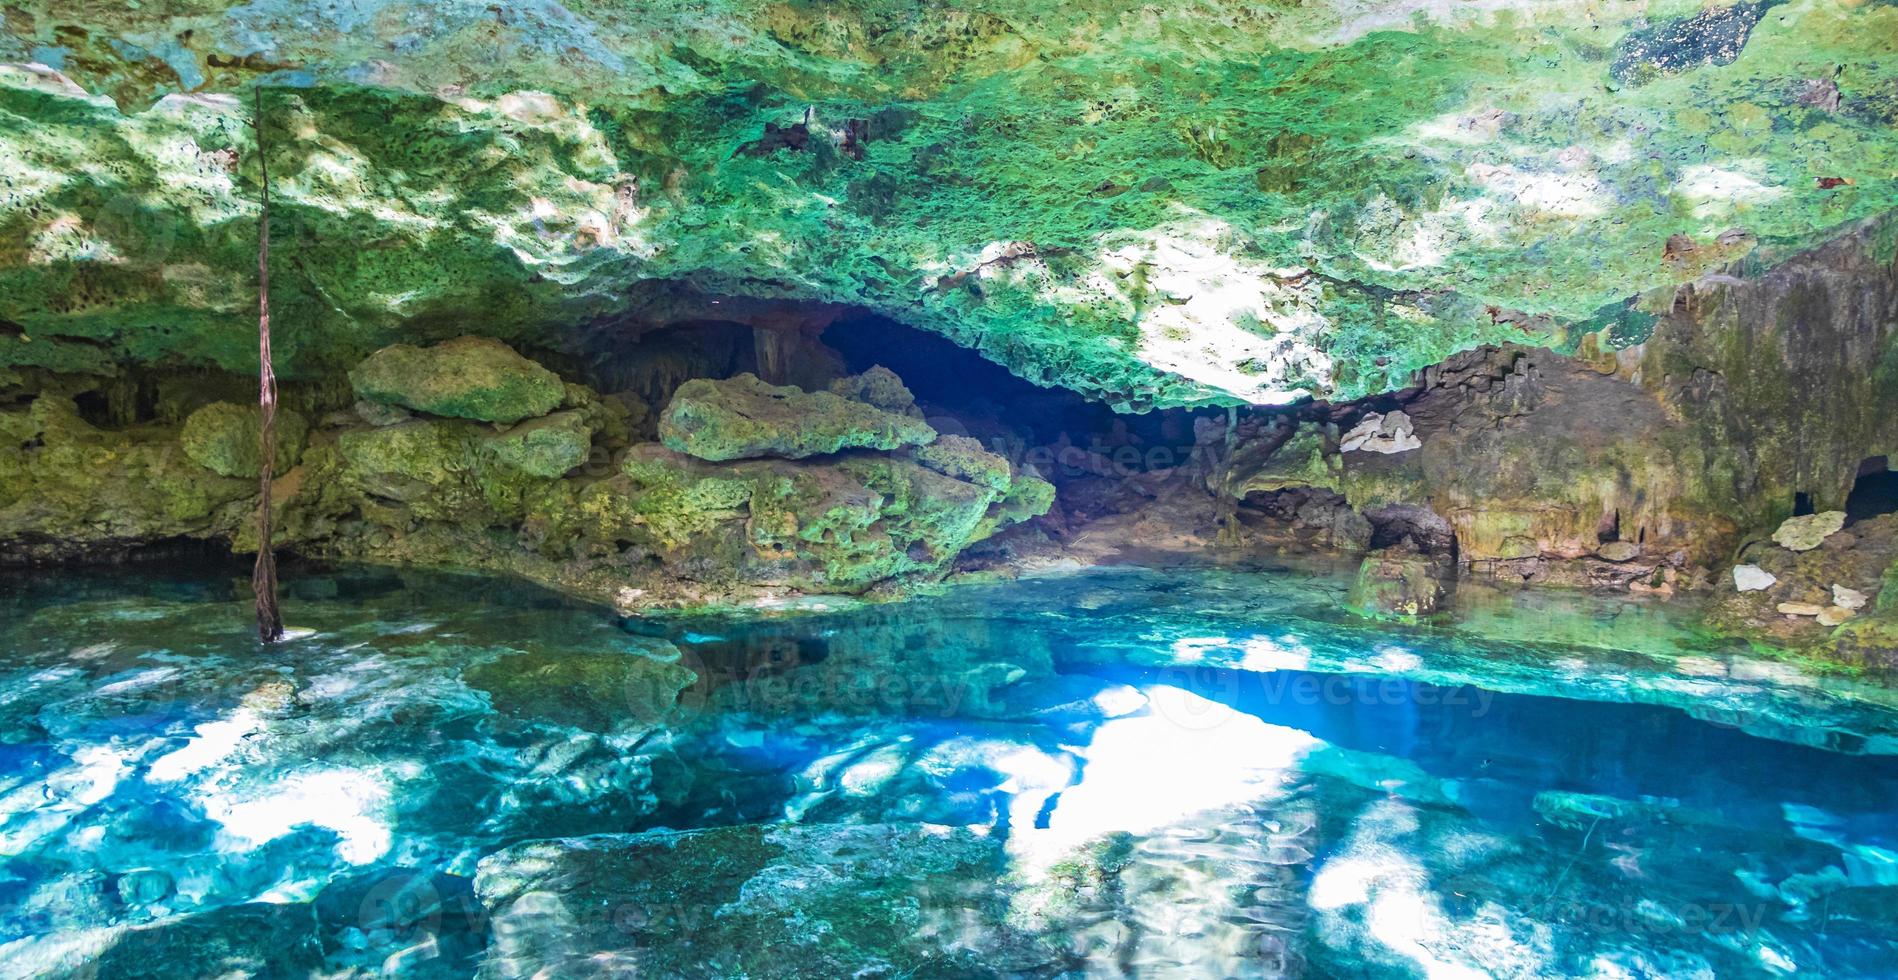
466 378
226 439
965 459
745 418
1044 184
547 447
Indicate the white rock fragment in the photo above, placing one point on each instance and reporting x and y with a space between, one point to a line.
1752 578
1805 533
1375 433
1800 608
1847 598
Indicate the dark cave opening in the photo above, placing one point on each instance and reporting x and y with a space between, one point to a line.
959 390
1802 504
952 380
1874 493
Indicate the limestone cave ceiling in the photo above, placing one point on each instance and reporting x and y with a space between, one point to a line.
1179 203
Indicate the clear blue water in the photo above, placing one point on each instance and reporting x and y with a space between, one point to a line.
1183 773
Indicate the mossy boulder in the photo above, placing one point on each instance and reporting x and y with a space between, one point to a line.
226 439
547 447
428 466
467 378
746 418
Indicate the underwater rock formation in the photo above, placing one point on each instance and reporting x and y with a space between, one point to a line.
839 900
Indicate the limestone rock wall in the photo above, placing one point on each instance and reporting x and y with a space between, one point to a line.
560 493
1226 201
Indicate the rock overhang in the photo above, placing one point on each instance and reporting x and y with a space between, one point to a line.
1233 202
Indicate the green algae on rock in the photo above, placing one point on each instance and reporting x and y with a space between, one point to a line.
1196 205
227 439
465 378
745 418
546 447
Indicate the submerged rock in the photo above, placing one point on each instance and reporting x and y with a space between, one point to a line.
1398 582
1834 615
1807 532
598 692
816 901
226 439
466 378
745 418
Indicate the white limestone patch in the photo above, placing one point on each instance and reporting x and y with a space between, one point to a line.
1719 192
1386 433
1752 578
1209 315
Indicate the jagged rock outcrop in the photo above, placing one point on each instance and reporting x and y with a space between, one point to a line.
1643 466
745 418
564 497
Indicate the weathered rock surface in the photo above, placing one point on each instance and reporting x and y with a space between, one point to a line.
1402 583
982 171
548 447
227 439
466 378
1808 532
745 418
1752 578
1387 433
566 499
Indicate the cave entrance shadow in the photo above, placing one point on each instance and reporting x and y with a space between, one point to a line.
1874 493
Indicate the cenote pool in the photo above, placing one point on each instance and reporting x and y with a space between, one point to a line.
1183 773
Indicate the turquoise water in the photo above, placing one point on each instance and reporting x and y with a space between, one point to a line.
1184 773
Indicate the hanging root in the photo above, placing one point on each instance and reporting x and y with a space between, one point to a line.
263 576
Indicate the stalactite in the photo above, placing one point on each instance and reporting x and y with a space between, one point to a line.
263 579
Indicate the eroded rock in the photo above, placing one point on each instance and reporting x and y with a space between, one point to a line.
1388 433
1401 583
545 447
465 378
745 418
226 439
1808 532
